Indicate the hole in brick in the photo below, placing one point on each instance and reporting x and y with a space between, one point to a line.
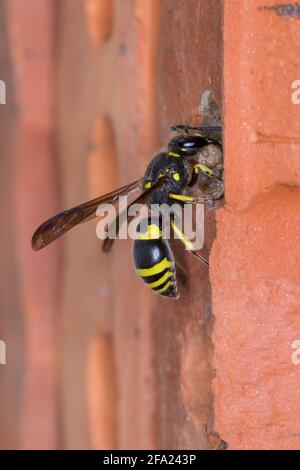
101 392
102 159
99 18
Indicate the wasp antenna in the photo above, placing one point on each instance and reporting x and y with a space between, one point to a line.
183 127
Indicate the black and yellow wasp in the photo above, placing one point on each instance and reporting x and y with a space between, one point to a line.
189 171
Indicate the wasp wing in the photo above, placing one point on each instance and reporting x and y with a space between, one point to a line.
121 217
59 224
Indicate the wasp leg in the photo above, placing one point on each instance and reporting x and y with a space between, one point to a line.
195 174
194 178
186 199
187 243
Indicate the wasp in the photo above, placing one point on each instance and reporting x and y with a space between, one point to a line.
190 170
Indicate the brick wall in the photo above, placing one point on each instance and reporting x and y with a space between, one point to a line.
94 360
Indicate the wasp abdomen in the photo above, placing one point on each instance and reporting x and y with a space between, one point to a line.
154 262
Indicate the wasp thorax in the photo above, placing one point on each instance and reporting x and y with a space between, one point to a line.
174 173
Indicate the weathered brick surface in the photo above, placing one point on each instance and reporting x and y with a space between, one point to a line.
94 359
103 362
255 260
33 195
123 101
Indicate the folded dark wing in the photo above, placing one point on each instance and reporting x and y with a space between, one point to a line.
59 224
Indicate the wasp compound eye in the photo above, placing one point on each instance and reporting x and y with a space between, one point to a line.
187 145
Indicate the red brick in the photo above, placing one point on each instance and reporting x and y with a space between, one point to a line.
255 269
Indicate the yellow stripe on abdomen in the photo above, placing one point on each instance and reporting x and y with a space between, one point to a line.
156 269
161 280
166 287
